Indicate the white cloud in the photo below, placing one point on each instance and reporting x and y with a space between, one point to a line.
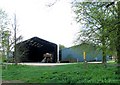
35 19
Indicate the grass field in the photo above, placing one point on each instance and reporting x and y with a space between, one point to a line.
74 73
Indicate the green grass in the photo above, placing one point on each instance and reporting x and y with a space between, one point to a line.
0 72
75 73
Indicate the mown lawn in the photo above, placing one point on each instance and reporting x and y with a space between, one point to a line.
74 73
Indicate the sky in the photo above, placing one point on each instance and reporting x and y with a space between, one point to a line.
34 18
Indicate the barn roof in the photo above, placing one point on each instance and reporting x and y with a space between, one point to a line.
37 42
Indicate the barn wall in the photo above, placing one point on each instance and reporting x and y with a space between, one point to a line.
76 53
68 53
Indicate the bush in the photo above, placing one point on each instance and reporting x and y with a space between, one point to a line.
10 60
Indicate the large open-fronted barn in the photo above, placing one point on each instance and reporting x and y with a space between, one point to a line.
33 50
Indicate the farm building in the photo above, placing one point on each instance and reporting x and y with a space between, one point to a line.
34 49
75 53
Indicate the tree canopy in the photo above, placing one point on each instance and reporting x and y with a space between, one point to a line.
99 25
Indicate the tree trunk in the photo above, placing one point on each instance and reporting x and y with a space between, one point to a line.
15 56
118 35
104 57
118 41
103 49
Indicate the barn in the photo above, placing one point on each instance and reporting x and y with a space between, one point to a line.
75 53
33 49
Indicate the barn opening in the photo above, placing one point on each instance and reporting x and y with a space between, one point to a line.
32 50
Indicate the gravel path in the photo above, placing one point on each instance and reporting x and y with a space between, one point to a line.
49 64
44 64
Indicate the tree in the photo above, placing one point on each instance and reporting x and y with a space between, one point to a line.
14 26
61 47
21 52
17 53
96 20
8 39
118 34
116 28
4 33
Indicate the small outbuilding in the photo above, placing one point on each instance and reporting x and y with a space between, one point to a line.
34 49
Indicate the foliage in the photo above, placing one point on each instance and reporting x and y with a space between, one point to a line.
3 19
61 46
4 33
74 73
7 36
97 27
118 34
21 52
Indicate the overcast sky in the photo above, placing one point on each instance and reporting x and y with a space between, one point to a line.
55 24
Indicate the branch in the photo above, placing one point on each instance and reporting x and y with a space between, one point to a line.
51 4
111 3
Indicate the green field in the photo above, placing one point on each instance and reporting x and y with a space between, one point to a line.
74 73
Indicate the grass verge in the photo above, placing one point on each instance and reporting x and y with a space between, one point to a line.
74 73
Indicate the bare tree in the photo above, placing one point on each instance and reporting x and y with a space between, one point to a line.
14 26
17 53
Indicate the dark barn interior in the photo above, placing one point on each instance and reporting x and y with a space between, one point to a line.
32 50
